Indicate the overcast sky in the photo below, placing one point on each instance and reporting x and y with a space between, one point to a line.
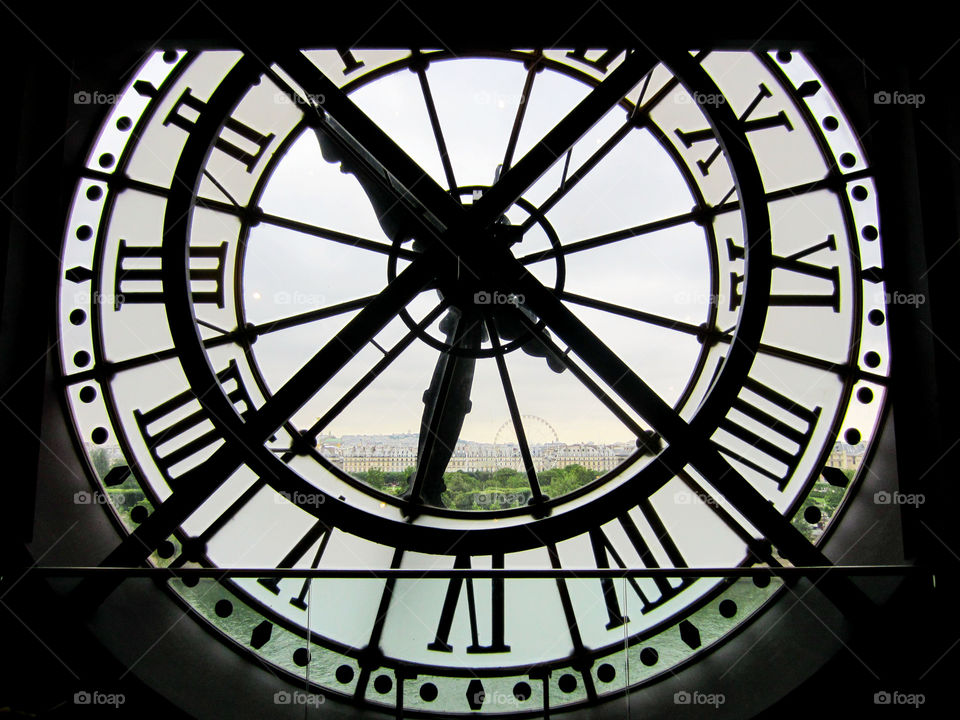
666 273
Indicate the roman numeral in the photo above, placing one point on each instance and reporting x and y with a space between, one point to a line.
139 275
320 532
173 441
350 63
605 551
748 124
188 108
795 264
777 435
602 63
452 599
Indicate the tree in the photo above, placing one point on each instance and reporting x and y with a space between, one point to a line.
101 461
374 477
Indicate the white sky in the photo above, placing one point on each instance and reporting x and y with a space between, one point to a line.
665 273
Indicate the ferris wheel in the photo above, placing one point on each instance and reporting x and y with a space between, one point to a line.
537 430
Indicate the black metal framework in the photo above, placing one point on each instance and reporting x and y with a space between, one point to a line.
683 440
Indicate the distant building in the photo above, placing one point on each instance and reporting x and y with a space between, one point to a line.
396 453
846 457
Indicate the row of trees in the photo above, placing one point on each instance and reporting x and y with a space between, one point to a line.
484 489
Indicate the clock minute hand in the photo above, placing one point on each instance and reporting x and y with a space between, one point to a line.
446 404
390 210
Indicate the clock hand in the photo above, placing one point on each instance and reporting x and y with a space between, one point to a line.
511 328
446 404
524 173
390 211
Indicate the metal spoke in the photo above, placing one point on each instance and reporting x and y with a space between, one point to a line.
755 546
421 71
224 517
371 375
568 183
224 338
308 229
650 318
308 317
612 237
521 111
537 493
561 138
588 382
338 351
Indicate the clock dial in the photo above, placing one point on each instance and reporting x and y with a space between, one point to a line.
569 310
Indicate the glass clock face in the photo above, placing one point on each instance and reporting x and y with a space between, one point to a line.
568 310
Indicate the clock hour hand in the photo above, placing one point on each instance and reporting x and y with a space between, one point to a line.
446 404
511 328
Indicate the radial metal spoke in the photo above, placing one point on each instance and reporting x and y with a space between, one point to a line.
435 125
526 456
649 318
308 229
611 237
309 316
223 338
561 138
570 182
521 112
338 351
371 375
588 382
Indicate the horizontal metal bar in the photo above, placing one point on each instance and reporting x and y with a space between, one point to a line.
415 574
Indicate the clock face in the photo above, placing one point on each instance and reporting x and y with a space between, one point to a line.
560 310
